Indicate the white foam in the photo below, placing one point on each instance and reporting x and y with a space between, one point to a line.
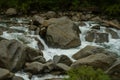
35 77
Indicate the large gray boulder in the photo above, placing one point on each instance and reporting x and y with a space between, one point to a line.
12 55
100 60
88 50
62 33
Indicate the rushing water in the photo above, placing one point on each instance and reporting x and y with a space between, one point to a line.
26 38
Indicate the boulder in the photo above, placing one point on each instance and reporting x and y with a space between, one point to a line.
17 78
86 17
12 55
50 66
50 14
88 50
37 20
96 18
75 18
100 60
112 24
98 37
62 33
11 11
32 54
5 74
40 59
63 67
114 34
114 70
62 59
34 67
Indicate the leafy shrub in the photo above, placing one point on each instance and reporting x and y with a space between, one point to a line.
86 73
113 9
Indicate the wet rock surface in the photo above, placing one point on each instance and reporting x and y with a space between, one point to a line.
94 36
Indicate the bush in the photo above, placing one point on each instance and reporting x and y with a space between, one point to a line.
86 73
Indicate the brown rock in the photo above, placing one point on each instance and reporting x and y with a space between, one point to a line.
113 33
62 33
12 55
32 53
34 67
11 11
114 70
5 74
100 60
62 59
37 20
94 36
88 50
112 24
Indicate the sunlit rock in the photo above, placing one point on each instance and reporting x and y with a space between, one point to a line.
62 33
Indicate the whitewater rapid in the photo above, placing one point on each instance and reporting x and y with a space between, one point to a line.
27 38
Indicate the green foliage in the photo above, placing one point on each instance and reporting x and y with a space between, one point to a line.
111 7
86 73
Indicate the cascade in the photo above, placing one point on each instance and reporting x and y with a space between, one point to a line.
113 44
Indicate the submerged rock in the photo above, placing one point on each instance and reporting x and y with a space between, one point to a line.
62 33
